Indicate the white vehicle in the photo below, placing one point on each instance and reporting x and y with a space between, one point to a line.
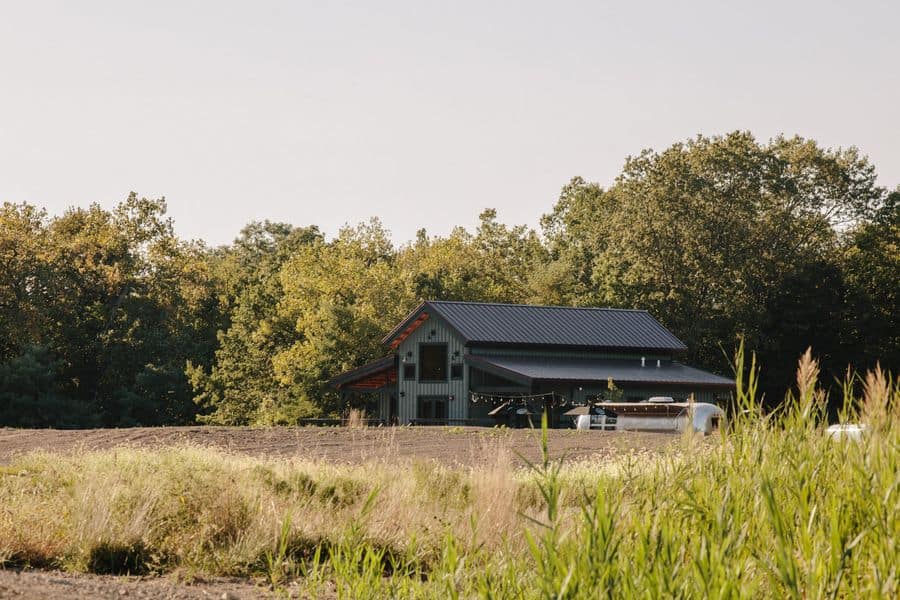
659 400
702 417
705 418
848 431
604 420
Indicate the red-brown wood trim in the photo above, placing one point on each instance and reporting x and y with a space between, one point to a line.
408 331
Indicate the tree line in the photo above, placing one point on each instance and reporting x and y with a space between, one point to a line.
107 318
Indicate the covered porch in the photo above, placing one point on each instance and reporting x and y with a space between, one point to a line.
559 383
373 387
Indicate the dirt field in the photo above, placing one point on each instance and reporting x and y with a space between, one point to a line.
461 446
37 585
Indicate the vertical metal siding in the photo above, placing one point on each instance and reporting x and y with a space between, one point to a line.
384 398
411 390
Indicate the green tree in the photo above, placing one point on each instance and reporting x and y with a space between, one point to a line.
494 264
871 259
715 236
241 386
31 395
115 300
342 297
24 277
573 237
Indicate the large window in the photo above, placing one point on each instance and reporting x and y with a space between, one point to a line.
432 362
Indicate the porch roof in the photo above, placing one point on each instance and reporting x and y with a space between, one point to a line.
371 376
527 369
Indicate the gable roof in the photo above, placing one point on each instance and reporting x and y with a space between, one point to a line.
482 323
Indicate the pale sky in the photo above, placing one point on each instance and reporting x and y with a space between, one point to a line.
420 113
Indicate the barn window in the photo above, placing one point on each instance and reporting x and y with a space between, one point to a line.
433 362
456 371
409 371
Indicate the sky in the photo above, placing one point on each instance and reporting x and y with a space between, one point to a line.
420 113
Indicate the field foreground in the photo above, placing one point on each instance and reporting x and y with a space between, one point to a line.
39 585
450 446
773 507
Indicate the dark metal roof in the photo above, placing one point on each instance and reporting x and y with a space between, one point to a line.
526 369
385 363
527 325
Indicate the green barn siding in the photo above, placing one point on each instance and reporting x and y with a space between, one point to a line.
408 391
411 390
384 399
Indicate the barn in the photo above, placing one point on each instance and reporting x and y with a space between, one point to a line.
472 362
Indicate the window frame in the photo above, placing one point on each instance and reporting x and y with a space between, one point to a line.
456 371
406 368
422 347
433 403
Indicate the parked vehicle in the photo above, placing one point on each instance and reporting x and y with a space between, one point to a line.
597 417
649 416
848 431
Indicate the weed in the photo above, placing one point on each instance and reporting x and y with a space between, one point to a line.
107 558
771 508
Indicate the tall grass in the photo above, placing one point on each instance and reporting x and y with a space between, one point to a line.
771 507
356 419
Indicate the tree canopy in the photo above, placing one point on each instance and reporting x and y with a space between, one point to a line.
101 310
108 318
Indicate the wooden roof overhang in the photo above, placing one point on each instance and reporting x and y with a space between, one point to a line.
398 338
369 377
413 321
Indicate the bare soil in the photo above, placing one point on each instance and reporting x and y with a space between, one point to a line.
453 446
34 585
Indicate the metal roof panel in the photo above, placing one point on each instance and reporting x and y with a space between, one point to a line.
600 370
524 324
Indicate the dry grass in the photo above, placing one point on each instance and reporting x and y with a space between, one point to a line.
356 419
129 495
209 511
773 507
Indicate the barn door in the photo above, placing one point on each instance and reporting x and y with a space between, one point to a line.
432 409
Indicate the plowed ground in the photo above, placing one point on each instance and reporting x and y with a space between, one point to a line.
453 446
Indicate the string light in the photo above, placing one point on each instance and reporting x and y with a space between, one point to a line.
555 398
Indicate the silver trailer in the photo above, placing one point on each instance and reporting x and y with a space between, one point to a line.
652 416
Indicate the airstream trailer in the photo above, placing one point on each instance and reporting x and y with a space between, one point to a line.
702 417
